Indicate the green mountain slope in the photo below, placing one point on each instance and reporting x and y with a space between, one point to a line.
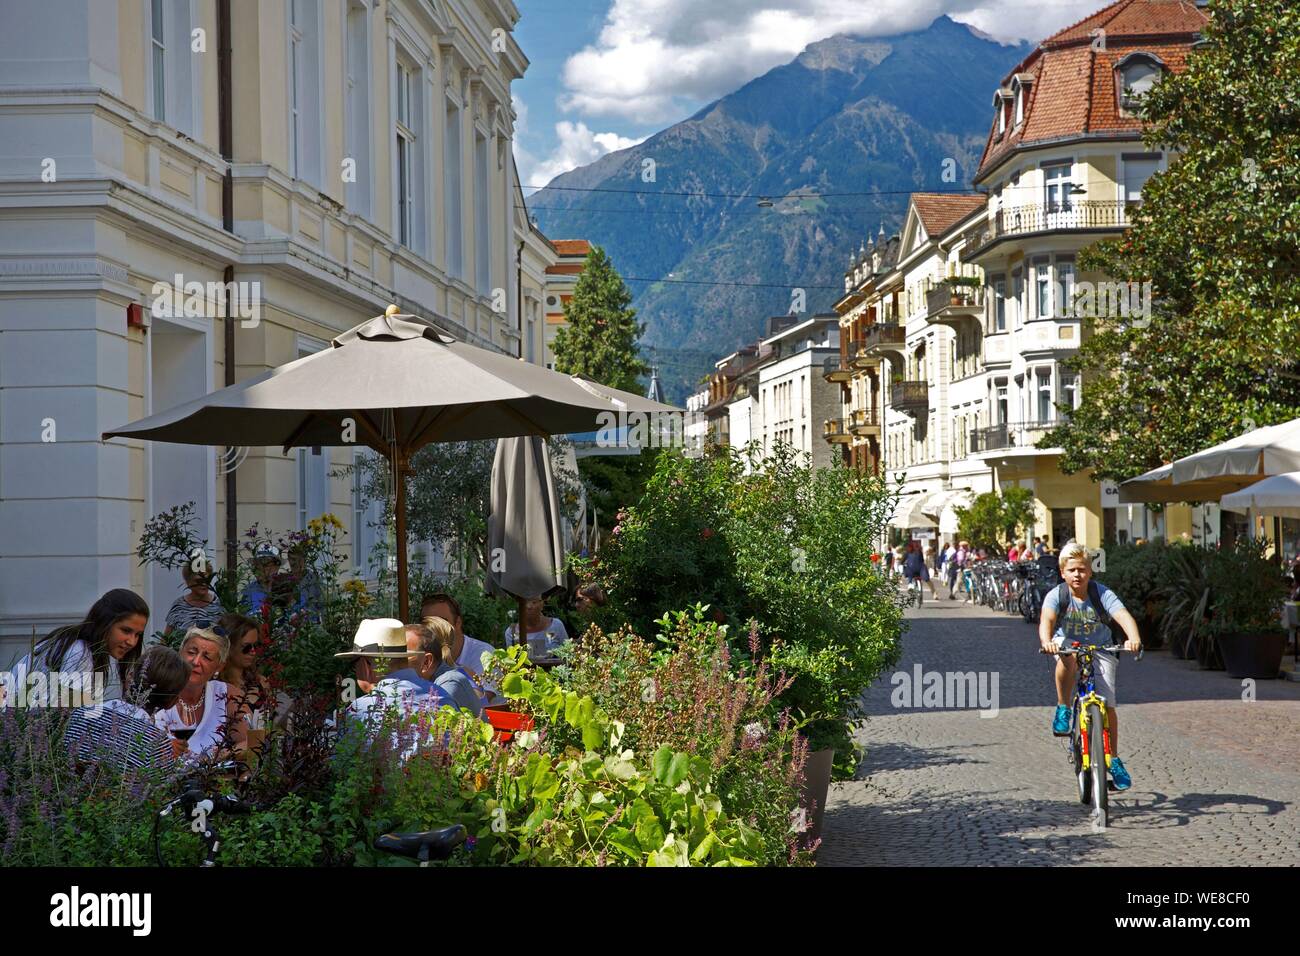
877 116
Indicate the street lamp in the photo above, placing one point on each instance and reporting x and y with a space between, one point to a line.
765 203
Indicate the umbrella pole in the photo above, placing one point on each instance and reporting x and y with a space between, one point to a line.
399 508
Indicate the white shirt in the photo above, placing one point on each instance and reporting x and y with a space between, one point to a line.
208 734
77 669
471 661
555 634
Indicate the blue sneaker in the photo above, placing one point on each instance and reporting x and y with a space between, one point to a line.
1061 722
1118 774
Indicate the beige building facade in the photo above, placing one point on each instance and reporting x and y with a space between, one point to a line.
351 154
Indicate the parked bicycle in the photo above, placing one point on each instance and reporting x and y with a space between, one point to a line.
424 846
199 803
1090 746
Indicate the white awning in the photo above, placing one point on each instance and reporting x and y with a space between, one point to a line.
908 513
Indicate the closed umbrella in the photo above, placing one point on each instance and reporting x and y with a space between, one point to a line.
525 530
394 383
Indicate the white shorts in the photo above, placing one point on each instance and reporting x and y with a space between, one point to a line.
1105 667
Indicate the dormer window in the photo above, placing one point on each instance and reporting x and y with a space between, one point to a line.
1135 75
1019 87
1000 100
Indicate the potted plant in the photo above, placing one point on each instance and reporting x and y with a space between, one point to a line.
1185 588
1245 623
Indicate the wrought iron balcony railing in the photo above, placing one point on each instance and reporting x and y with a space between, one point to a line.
909 396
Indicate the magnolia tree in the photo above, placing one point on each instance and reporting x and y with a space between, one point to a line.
1219 351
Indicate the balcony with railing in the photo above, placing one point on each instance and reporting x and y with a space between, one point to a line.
954 301
910 396
1022 438
833 371
834 430
860 358
864 422
882 337
1090 215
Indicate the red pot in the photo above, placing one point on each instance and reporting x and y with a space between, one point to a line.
506 721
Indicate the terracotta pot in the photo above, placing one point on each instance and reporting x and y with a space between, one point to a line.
1256 654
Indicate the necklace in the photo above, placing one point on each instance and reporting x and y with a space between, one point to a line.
189 712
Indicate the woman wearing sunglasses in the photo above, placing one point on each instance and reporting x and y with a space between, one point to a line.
248 686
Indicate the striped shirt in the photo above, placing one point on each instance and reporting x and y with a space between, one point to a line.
183 615
120 734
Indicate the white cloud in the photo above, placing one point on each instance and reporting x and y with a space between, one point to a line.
655 57
577 146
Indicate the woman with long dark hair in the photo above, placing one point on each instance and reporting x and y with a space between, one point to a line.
106 643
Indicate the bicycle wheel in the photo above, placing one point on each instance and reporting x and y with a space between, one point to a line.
1081 776
1097 768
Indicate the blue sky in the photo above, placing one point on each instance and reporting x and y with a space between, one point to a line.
605 74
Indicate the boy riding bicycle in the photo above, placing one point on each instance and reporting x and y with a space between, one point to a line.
1090 609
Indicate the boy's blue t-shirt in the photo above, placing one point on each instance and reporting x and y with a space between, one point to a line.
1080 622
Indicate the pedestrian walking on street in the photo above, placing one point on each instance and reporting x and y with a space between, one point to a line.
956 564
929 567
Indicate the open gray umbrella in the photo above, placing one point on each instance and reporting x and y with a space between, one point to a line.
525 531
394 383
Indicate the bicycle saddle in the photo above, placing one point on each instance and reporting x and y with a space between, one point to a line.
423 845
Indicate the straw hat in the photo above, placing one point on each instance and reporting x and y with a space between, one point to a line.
379 637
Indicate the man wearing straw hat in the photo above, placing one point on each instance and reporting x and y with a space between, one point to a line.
410 680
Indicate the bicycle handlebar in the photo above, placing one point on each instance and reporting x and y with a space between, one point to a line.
1112 648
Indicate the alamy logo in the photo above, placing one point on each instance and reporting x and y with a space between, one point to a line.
134 910
38 690
197 300
954 690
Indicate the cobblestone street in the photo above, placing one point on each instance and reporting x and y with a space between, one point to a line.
1216 780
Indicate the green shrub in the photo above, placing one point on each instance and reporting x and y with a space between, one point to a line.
769 540
695 696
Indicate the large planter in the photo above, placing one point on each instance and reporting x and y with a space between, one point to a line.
816 785
1256 654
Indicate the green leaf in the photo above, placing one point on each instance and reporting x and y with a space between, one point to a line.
663 759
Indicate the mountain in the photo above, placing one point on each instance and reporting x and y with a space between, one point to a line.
874 116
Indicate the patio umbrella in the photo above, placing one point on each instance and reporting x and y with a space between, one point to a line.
1272 450
525 530
1278 496
1157 485
394 383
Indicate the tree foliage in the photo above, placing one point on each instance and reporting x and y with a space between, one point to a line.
600 339
1217 236
448 494
993 520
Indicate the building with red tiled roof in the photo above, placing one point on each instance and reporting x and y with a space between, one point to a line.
956 333
939 212
1072 87
1064 166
